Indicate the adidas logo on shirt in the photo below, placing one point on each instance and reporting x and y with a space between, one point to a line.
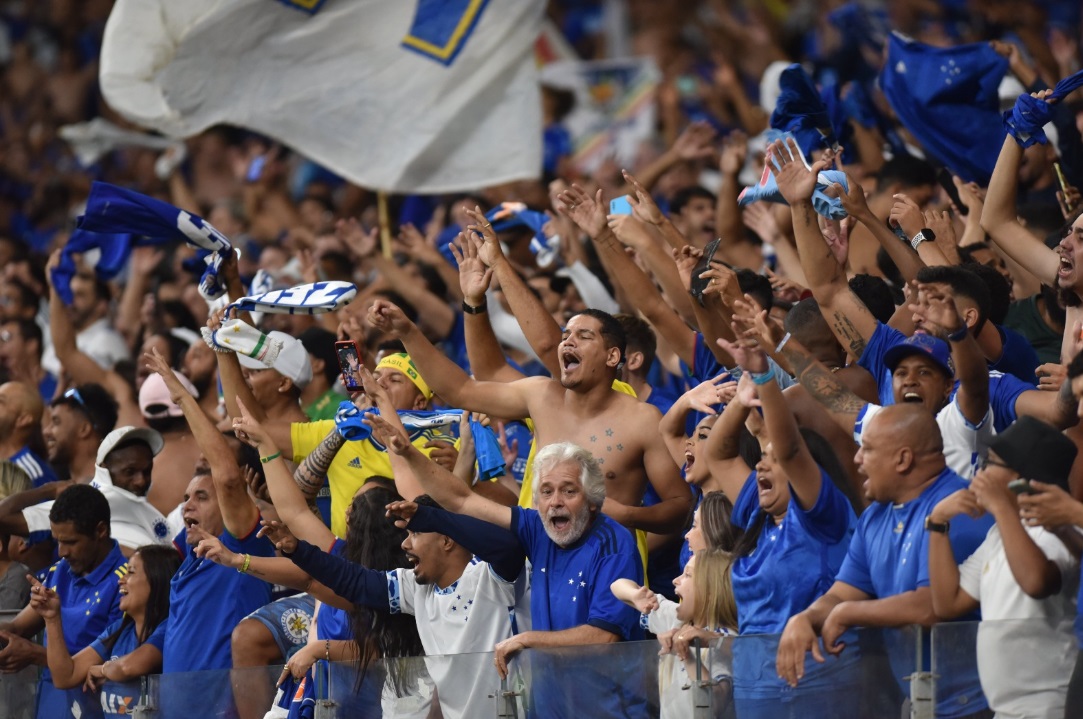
355 463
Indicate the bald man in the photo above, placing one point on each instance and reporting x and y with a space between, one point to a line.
21 409
884 580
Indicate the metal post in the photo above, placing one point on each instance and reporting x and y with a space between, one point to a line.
145 709
702 688
922 685
507 705
326 707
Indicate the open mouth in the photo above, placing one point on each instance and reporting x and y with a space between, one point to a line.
560 523
412 559
190 522
912 397
1066 266
764 484
689 460
571 361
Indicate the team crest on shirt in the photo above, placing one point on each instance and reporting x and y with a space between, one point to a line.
355 463
160 528
295 624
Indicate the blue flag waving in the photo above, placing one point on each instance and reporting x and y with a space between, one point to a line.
801 111
947 98
1025 121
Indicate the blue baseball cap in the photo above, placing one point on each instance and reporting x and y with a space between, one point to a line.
924 344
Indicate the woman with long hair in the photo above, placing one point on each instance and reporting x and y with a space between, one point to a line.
129 648
340 632
706 612
798 524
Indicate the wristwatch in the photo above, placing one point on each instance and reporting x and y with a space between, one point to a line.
931 526
923 235
472 310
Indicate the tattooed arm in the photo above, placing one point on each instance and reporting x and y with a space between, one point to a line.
847 315
840 402
312 472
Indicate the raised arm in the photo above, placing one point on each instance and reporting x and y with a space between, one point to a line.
589 215
239 512
789 448
539 328
288 500
822 385
455 387
847 315
938 316
724 441
999 218
436 481
67 671
700 398
487 360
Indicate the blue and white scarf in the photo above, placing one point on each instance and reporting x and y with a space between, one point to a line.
350 424
311 299
1025 121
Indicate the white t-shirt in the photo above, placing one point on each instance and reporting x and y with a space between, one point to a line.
1026 648
444 624
674 677
965 444
133 521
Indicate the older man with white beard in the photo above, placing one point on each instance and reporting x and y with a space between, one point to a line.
575 553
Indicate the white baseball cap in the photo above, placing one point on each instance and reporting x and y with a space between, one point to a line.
127 435
292 360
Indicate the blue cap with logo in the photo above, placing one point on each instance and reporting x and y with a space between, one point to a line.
925 344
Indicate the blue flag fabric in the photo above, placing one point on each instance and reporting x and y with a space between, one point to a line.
947 98
113 209
114 249
800 111
507 215
1025 121
116 209
350 423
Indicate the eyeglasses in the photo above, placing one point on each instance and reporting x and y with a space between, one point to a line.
73 393
990 461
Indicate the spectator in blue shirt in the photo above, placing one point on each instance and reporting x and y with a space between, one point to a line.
85 579
21 346
217 505
902 455
130 647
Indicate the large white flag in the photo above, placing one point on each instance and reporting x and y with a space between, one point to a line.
399 95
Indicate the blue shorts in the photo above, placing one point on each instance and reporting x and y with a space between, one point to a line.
288 620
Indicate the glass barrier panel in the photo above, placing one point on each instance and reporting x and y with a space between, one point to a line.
18 694
1016 667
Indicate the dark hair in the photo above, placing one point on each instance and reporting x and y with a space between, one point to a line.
1053 305
612 331
320 343
639 337
906 170
828 461
748 447
179 312
374 542
803 318
891 273
685 195
27 296
82 505
29 331
756 285
433 281
715 521
160 563
963 283
95 403
1043 218
563 100
1000 292
875 293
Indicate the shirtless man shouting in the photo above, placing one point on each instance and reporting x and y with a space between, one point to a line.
581 407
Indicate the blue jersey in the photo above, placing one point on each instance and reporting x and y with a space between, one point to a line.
570 588
889 555
35 467
1018 357
207 600
118 700
88 604
884 337
332 622
793 564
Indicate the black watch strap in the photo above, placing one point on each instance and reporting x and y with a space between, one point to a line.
472 310
941 527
